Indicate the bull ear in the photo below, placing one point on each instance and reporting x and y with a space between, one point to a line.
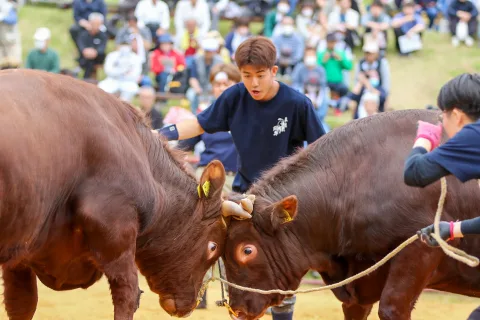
212 180
284 211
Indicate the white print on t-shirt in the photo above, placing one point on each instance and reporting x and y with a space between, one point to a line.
280 127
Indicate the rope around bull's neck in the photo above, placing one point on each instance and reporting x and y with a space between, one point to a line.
453 252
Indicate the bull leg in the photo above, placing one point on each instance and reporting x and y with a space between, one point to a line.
20 295
110 227
408 275
356 311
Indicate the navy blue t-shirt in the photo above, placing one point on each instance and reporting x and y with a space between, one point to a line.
263 132
460 155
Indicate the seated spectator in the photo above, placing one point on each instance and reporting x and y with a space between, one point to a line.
147 99
141 33
123 69
92 44
344 20
376 23
192 8
81 13
335 61
275 16
372 74
319 28
462 14
218 146
187 40
310 78
431 10
222 50
155 15
305 19
43 57
240 33
407 23
289 44
200 71
10 41
165 61
144 60
369 104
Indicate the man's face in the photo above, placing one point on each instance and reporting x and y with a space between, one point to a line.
190 25
95 25
345 4
166 46
408 10
147 100
331 45
258 80
370 56
376 11
218 86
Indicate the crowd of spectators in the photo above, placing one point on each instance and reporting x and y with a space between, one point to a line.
315 42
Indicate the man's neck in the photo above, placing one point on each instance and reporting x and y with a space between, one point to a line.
272 92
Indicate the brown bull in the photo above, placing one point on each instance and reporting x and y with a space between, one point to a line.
338 207
86 190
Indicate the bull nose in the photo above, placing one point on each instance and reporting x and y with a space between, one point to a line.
169 306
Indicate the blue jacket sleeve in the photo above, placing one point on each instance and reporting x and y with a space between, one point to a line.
228 42
419 171
188 144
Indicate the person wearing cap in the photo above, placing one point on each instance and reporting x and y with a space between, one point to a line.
376 22
123 69
200 68
165 60
155 15
222 50
42 57
335 61
309 77
372 73
368 105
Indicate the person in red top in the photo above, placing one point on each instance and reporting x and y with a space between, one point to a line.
165 60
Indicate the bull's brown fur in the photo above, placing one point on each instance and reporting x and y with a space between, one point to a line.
86 189
353 208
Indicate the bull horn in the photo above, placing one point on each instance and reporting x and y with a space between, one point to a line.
230 208
247 203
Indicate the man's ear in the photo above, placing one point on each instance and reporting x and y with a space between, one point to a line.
284 211
212 181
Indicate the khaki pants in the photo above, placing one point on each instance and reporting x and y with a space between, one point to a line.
10 46
227 187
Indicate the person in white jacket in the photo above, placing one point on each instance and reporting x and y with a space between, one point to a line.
155 15
343 19
192 8
123 69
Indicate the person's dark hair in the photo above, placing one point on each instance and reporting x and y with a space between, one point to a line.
132 17
408 4
310 49
242 22
331 37
257 51
463 93
377 3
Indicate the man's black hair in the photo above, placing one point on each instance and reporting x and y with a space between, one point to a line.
463 93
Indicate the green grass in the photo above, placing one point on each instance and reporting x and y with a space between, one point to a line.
415 80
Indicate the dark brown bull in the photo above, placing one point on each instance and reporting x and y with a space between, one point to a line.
338 207
86 190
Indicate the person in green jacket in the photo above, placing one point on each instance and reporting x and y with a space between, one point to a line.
335 61
42 57
275 16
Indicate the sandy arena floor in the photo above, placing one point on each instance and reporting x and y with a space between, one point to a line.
95 303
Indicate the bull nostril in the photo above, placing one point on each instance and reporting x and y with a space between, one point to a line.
169 306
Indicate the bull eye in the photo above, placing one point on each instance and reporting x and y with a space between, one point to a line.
248 251
212 246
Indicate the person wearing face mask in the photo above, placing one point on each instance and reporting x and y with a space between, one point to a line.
372 74
123 69
165 60
238 35
275 16
42 57
309 78
305 19
290 46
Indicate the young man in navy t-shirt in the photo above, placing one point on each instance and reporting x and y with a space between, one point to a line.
459 99
268 120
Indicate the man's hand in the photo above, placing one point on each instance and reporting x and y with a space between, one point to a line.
89 53
426 233
84 24
431 132
326 57
336 56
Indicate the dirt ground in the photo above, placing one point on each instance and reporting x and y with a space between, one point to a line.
95 303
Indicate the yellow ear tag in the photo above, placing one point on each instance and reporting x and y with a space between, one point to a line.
287 217
198 190
206 188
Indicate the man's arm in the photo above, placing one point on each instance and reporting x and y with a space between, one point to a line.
420 171
183 130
